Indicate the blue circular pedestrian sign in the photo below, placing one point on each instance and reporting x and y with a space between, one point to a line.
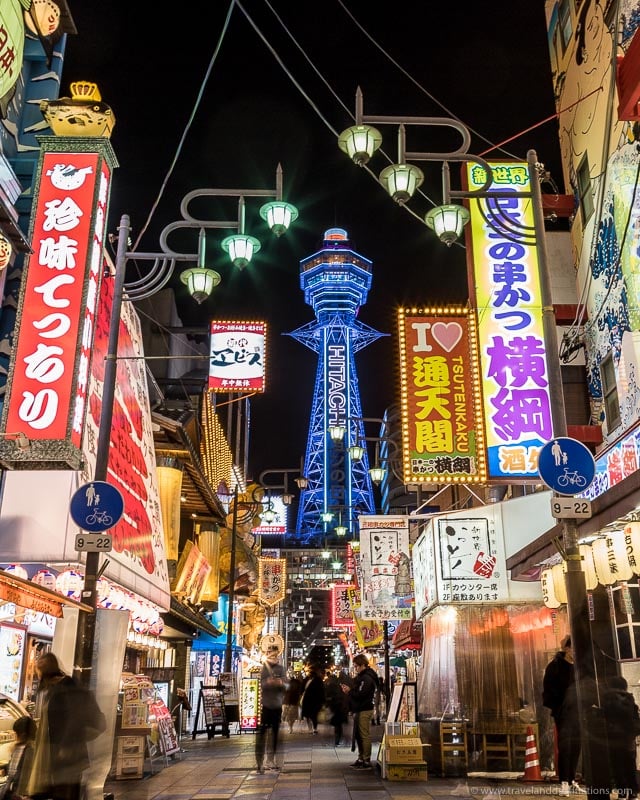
566 465
96 506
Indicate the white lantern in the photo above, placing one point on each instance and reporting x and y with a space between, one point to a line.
45 578
589 567
610 557
559 584
18 570
69 583
549 595
632 544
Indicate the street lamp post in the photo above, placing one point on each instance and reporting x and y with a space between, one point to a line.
401 180
240 247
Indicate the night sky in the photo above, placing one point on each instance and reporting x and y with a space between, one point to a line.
487 64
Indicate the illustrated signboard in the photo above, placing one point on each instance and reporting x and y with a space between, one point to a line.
506 289
272 573
237 356
385 565
442 429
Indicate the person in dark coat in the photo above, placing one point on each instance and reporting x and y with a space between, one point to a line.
622 724
272 683
291 705
313 698
338 704
558 679
68 717
361 698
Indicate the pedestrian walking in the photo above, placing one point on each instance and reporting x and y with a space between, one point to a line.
68 717
622 722
558 695
272 684
338 704
361 697
291 704
21 762
313 697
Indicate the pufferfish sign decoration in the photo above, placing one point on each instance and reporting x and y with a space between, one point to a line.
82 114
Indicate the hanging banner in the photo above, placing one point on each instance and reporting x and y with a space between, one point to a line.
369 632
506 292
385 566
272 573
442 433
341 612
237 356
192 573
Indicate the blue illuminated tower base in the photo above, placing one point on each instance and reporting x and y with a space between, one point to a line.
335 281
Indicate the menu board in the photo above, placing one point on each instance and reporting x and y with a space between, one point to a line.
166 729
213 705
229 686
249 707
12 646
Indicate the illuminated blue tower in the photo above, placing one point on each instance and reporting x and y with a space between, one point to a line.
335 281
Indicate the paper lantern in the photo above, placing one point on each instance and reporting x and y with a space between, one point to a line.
6 249
548 590
610 558
45 578
588 567
18 570
631 534
43 18
69 583
169 473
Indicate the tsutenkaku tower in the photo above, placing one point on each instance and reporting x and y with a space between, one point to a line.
335 281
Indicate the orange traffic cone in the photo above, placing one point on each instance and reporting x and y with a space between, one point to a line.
531 760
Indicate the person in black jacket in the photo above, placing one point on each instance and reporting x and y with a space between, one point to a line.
313 697
622 722
556 695
338 704
361 697
273 685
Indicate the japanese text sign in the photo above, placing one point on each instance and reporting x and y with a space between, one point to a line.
272 580
341 612
369 632
508 299
441 417
237 356
385 566
47 392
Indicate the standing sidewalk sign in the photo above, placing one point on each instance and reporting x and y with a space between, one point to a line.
212 710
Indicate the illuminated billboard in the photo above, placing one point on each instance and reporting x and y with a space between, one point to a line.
442 436
508 299
237 356
48 381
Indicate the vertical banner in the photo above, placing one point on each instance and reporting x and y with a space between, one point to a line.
341 611
237 356
442 429
385 566
48 380
272 573
508 299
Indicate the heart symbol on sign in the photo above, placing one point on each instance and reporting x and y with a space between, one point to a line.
447 334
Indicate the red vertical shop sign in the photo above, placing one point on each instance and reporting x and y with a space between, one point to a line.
47 388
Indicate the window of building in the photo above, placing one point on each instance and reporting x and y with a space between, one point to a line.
584 190
610 392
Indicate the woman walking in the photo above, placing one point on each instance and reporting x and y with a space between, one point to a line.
313 698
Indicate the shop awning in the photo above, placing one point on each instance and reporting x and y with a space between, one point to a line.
408 636
185 621
29 595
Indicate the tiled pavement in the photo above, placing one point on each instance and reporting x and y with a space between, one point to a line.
224 768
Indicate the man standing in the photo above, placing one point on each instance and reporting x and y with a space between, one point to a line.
361 696
272 685
558 694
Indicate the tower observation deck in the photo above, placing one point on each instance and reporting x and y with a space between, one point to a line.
335 282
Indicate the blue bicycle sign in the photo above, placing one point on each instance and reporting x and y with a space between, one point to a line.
566 465
96 506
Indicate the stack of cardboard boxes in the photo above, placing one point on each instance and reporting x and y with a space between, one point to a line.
403 753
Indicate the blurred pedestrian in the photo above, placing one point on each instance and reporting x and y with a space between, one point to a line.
361 696
313 697
21 762
338 704
558 679
622 722
69 717
272 684
291 705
